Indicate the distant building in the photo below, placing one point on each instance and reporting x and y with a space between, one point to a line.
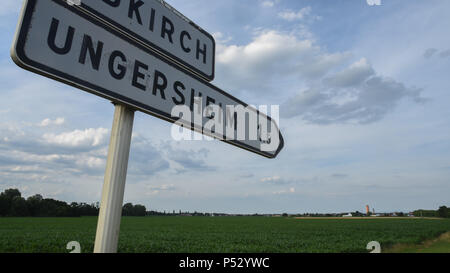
348 215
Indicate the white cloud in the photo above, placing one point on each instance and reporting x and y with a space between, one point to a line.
365 98
217 35
162 187
374 2
146 158
321 63
25 168
291 15
272 57
48 122
154 190
353 75
266 47
355 94
221 38
277 180
271 179
89 137
283 192
91 162
269 3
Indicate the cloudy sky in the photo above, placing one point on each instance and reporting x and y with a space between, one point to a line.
363 93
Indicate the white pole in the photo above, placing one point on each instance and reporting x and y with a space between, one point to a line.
108 226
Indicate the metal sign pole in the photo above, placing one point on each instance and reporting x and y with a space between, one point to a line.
108 226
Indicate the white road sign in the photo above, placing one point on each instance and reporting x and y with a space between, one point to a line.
159 26
60 41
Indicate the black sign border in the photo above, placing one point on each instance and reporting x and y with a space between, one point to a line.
19 57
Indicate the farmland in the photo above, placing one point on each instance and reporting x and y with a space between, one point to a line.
219 234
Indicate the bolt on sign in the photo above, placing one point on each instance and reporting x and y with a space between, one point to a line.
78 45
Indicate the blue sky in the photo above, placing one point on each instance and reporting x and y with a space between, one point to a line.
363 95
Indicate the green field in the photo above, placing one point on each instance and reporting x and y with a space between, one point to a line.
220 234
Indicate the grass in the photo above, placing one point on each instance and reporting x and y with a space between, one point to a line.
437 245
221 234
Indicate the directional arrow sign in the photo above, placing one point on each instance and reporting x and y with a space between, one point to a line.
162 28
60 41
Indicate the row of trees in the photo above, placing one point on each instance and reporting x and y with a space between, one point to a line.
443 212
133 210
14 205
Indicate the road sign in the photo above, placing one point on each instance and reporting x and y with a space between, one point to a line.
60 41
82 47
162 28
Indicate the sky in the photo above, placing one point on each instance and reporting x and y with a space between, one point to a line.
363 92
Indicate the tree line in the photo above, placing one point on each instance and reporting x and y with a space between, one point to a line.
443 212
12 204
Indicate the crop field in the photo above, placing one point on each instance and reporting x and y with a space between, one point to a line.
219 234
